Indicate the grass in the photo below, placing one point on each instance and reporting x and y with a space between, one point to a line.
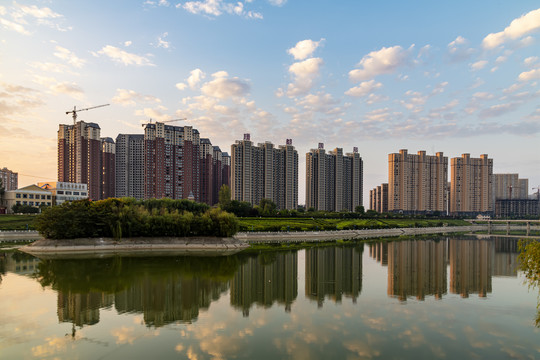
313 224
17 222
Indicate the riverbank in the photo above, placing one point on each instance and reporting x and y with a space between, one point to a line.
103 247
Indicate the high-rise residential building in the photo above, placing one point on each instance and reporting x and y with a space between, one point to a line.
10 179
207 172
171 162
130 166
509 186
334 181
108 168
264 172
80 158
378 198
471 185
417 183
221 170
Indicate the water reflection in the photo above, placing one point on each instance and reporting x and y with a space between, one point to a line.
418 268
334 272
265 279
164 290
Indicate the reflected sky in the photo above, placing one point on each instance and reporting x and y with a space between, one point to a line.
405 299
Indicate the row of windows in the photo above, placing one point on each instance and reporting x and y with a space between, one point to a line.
31 203
32 196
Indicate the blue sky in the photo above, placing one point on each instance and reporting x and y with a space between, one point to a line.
458 77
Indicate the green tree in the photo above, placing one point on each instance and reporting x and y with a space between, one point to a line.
2 192
359 209
267 207
529 263
224 196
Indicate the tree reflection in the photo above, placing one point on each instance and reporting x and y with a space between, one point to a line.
529 263
163 289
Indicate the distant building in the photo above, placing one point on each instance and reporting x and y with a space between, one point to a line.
516 208
81 158
64 191
334 181
417 183
31 195
264 172
471 185
378 198
130 166
509 186
10 179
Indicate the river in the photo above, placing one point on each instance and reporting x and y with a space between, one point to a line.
437 297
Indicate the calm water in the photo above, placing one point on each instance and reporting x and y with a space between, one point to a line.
439 298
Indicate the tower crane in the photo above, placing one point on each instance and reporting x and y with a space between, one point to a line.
510 187
75 111
163 122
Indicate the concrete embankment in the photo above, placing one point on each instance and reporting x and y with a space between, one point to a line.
102 247
315 236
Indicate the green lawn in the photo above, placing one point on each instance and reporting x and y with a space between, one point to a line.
313 224
16 222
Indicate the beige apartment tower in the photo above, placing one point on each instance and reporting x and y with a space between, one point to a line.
417 183
471 185
334 181
264 172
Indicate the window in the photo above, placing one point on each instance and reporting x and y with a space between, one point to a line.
68 192
48 197
83 194
25 196
31 203
18 196
43 197
60 192
75 193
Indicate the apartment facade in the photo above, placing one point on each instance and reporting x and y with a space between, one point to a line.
10 179
171 162
509 186
471 185
81 160
417 183
130 166
264 172
378 198
334 181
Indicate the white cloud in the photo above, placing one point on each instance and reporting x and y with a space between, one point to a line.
154 113
162 43
458 50
499 109
10 25
218 7
181 86
128 43
196 77
530 75
383 61
518 27
34 11
69 57
304 49
530 61
123 57
364 88
277 2
70 89
129 97
478 65
304 73
223 87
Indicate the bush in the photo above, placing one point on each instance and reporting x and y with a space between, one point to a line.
120 218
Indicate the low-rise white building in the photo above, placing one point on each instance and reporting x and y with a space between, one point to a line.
31 195
65 191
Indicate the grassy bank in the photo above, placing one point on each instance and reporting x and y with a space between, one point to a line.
17 222
314 224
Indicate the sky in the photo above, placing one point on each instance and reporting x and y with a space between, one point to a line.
457 77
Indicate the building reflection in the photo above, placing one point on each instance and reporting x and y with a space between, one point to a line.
82 308
334 272
417 268
265 279
164 290
471 263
